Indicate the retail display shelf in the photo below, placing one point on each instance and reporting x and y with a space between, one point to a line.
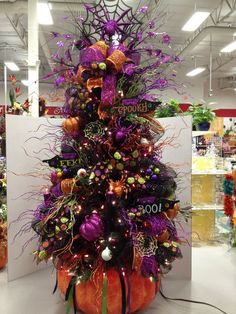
210 172
200 133
208 207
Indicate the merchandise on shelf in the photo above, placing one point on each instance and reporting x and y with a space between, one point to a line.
229 139
230 204
208 169
3 215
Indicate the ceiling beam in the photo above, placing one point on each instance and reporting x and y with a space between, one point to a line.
18 27
219 62
45 48
22 34
215 18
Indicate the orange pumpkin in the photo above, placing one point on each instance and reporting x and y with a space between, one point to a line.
69 186
71 125
89 296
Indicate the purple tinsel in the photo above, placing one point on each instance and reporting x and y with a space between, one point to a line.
60 44
129 69
143 9
55 34
152 34
166 39
59 80
67 36
151 24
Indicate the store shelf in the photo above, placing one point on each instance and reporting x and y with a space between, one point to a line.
208 207
210 172
200 133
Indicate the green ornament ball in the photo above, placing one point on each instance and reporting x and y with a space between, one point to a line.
102 66
135 154
117 155
120 166
141 180
130 180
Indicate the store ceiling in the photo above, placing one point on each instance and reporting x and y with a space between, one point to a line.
13 32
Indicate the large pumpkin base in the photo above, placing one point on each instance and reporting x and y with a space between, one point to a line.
89 294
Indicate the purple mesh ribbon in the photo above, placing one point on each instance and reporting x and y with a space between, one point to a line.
149 266
157 224
108 90
89 55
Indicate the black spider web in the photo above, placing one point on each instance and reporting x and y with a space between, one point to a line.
96 17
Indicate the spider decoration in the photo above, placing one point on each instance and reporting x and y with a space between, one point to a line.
94 131
120 132
145 245
119 187
111 18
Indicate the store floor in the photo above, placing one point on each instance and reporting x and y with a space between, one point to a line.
214 281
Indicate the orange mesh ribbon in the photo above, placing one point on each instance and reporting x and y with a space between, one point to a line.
99 53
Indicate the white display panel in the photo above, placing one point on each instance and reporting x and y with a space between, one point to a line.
177 153
26 140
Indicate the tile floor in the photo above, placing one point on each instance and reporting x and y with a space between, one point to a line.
214 281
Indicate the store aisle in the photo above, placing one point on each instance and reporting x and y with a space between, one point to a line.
214 281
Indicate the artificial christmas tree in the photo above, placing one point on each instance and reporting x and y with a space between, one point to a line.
107 220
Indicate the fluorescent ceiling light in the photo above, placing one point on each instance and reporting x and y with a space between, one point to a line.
12 66
44 13
229 48
195 21
25 82
196 71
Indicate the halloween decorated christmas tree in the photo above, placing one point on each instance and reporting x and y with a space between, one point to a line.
107 220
